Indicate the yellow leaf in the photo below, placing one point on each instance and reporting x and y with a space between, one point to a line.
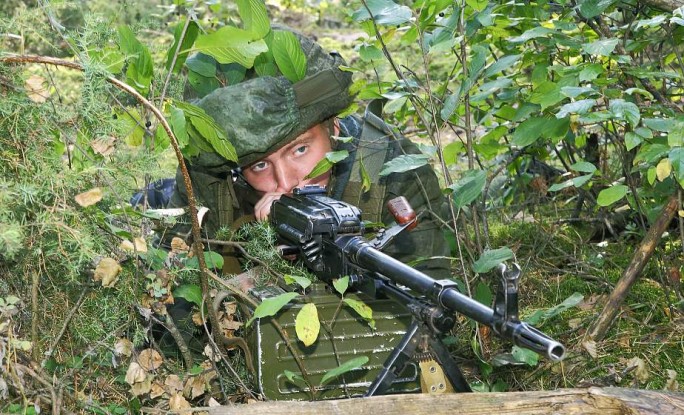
307 325
123 347
107 271
663 169
150 359
672 384
681 213
140 244
135 373
89 198
35 89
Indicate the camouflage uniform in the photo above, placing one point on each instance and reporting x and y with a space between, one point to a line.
261 115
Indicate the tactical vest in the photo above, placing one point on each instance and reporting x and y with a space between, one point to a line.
373 151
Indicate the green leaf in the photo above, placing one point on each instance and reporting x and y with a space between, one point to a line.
591 72
579 181
455 149
676 137
584 167
384 12
327 163
632 140
505 62
650 153
592 8
203 64
270 306
625 110
212 259
491 258
288 55
209 130
560 186
575 91
365 177
540 315
369 53
341 284
525 356
190 292
361 309
307 325
483 294
344 368
301 281
600 47
676 157
177 122
468 188
230 44
547 94
664 125
140 68
291 376
611 195
254 17
404 163
190 36
529 131
533 33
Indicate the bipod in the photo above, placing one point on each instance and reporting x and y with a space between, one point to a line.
422 342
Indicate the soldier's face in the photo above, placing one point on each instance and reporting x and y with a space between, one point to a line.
282 171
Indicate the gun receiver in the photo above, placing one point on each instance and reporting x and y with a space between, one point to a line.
328 236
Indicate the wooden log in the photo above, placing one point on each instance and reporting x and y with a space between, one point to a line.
636 266
592 401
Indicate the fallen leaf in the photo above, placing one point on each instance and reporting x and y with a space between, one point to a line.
123 347
141 388
590 347
140 244
213 403
103 146
89 198
157 390
107 271
36 90
198 386
179 245
126 245
135 373
575 323
209 352
173 384
641 372
672 384
177 402
150 359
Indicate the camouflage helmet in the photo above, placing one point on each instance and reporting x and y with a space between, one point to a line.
263 114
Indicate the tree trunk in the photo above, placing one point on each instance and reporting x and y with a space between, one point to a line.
639 260
598 401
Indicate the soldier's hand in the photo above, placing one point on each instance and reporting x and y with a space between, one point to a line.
263 207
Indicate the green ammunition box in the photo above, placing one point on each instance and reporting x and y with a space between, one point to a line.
350 337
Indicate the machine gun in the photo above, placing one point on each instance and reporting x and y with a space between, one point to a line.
328 235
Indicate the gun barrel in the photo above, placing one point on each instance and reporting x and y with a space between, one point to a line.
521 334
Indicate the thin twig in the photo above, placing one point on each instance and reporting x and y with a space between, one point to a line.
67 319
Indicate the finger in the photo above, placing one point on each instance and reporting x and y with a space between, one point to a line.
263 207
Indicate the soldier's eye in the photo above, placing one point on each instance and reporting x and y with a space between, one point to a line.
301 149
258 166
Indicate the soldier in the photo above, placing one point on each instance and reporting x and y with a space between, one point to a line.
281 130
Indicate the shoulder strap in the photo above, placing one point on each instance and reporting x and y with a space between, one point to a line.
371 154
